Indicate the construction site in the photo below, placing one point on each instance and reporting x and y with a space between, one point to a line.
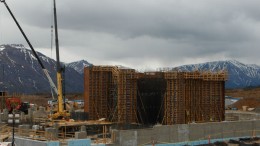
123 107
166 97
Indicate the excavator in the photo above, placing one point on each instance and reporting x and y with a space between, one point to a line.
61 112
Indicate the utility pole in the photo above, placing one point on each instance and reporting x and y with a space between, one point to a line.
13 126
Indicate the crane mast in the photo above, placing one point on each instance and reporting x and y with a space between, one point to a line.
59 70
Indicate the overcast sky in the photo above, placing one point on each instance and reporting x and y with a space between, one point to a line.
142 34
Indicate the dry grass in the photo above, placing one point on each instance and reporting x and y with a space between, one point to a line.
246 93
251 97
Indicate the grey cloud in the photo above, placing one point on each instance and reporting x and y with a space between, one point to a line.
167 18
164 31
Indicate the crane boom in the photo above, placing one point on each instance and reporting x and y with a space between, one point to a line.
34 52
61 113
59 75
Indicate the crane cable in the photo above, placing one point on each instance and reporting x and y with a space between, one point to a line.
51 29
52 41
1 32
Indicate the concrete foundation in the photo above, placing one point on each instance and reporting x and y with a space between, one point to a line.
241 116
51 133
80 135
23 130
83 129
165 134
28 142
81 142
186 132
5 115
41 113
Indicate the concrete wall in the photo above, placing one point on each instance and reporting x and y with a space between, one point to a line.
72 142
28 142
187 132
241 116
79 142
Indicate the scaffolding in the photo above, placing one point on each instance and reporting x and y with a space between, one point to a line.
99 93
127 94
194 97
110 92
118 93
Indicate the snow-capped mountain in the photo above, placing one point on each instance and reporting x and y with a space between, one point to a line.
79 65
20 72
239 75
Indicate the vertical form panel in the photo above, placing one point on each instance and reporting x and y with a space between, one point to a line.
127 93
86 89
223 99
99 86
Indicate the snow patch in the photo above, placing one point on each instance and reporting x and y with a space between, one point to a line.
2 48
18 46
20 80
33 57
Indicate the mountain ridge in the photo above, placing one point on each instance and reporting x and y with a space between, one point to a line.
240 75
21 69
79 65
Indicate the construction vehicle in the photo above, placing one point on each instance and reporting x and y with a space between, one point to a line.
60 113
15 103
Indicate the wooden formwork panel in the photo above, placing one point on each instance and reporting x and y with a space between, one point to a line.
99 92
99 83
189 97
169 101
194 97
86 89
111 93
192 75
209 76
174 108
127 96
170 75
193 100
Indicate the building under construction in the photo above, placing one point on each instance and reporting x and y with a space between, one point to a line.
169 97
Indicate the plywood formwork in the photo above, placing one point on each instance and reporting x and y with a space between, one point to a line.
174 102
99 96
117 94
127 93
194 97
110 92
